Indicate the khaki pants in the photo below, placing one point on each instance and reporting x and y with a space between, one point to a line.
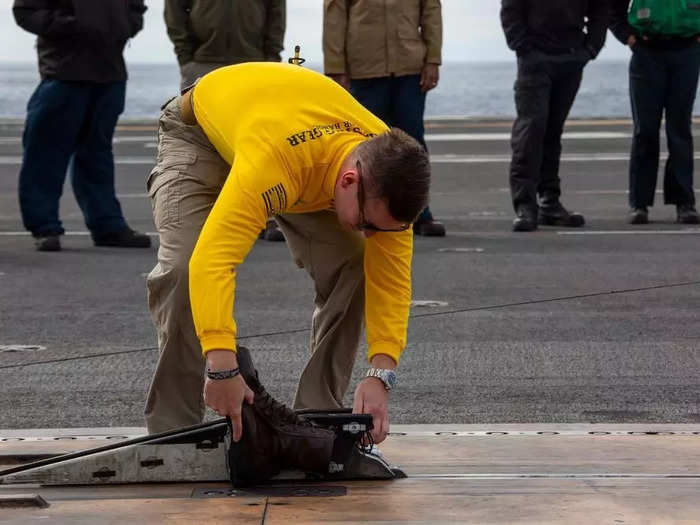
183 187
191 71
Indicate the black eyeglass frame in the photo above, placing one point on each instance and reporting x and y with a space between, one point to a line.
364 224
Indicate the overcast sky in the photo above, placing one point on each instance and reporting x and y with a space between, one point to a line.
472 32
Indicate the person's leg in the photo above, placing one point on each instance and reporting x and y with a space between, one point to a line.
334 259
566 80
407 111
375 95
191 71
92 171
648 85
532 93
562 96
55 113
684 67
183 188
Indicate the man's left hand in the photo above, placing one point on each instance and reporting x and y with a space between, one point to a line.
429 77
372 398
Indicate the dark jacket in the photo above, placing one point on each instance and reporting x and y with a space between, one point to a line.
81 40
555 26
226 31
622 29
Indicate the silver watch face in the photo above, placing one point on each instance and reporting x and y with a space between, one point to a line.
389 379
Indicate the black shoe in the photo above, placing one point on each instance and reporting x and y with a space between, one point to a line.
554 214
638 216
687 214
525 219
272 232
274 437
429 228
124 238
48 243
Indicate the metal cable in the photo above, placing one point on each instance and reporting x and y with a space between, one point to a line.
416 316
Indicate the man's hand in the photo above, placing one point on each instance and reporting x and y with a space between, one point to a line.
429 77
372 398
343 79
631 40
225 396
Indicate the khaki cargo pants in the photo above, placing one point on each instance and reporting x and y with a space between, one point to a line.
183 187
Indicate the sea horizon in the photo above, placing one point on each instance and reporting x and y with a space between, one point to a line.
467 89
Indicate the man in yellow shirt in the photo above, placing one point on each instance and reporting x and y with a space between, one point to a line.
258 140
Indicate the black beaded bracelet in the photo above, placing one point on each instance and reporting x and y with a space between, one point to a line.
223 374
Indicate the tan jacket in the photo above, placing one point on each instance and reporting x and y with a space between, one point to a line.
226 31
378 38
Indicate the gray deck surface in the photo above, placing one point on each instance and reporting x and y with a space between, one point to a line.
541 337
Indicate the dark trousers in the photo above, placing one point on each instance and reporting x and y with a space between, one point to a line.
70 122
399 102
662 80
545 90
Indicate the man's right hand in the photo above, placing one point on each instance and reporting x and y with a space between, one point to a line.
225 396
631 40
343 79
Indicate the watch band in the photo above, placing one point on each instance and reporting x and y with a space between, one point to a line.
385 375
223 374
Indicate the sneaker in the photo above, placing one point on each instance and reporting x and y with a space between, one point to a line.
274 437
638 216
48 243
272 232
554 214
687 214
429 228
124 238
525 219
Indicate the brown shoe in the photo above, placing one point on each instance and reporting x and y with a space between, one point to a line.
274 437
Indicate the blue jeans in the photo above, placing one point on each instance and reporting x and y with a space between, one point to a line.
400 103
70 122
662 80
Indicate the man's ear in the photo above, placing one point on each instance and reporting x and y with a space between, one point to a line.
348 178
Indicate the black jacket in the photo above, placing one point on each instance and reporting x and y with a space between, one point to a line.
81 40
555 26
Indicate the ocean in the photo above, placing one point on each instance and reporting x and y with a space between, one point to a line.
469 89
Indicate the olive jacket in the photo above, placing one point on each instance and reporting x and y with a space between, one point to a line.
226 31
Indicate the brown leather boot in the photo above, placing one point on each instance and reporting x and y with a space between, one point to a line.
274 437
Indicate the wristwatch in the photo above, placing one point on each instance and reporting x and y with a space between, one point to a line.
386 376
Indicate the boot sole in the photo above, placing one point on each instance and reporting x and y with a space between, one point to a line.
573 222
519 227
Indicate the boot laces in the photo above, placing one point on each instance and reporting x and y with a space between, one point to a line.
279 411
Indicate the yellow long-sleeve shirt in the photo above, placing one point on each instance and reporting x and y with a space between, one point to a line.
286 131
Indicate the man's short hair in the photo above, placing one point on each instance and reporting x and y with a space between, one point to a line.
397 170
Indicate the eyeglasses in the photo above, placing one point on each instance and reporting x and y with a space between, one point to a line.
365 225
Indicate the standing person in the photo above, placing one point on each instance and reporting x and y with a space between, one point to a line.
72 114
554 40
664 38
345 189
208 34
388 54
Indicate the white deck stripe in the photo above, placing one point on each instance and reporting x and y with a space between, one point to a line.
479 137
689 231
74 233
450 158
